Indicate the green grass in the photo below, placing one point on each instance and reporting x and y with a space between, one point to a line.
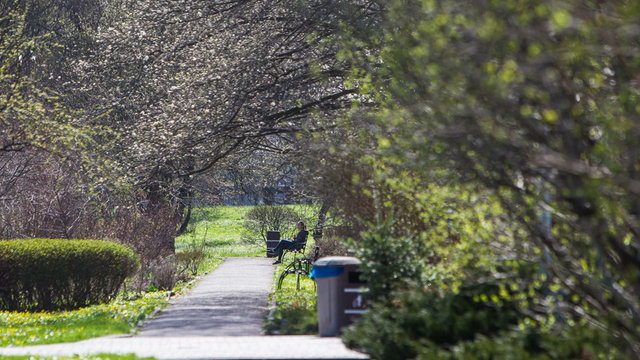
219 231
79 357
296 310
119 316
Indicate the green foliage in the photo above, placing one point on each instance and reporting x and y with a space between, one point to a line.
478 321
571 342
418 317
532 103
390 264
45 274
119 316
263 218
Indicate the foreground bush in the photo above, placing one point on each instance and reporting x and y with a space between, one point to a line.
474 322
419 316
47 274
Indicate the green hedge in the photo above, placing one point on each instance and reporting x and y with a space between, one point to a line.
48 274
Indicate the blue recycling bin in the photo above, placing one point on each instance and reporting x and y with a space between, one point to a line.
341 293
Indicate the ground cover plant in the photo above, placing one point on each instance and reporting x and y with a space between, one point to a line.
80 357
119 316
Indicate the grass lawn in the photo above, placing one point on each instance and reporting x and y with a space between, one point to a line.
119 316
79 357
219 230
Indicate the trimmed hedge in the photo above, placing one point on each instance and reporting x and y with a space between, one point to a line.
51 274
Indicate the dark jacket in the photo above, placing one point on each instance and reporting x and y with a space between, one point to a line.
301 237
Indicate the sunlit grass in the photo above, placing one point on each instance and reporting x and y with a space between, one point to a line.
219 231
79 357
119 316
296 310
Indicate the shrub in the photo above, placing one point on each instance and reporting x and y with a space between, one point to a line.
47 274
263 218
418 317
163 273
388 263
579 341
189 260
332 246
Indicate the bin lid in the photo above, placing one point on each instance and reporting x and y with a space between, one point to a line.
336 261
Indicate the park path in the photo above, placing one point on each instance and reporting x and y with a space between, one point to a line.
220 318
231 301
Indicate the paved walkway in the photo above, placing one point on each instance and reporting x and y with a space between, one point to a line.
231 301
220 318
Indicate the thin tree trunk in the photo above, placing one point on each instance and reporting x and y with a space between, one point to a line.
322 218
187 218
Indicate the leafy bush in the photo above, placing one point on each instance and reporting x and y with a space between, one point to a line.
389 263
397 330
46 274
263 218
568 342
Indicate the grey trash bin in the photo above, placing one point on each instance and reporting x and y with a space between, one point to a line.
273 238
341 293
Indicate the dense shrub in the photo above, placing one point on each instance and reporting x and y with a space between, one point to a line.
579 341
418 317
46 274
388 263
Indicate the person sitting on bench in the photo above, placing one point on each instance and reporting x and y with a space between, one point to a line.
300 239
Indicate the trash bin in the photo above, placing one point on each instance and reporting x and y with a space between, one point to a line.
341 293
273 237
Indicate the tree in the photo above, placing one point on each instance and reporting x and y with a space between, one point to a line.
537 101
205 79
38 135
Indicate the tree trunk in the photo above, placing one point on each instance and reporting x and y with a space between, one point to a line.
187 218
322 217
